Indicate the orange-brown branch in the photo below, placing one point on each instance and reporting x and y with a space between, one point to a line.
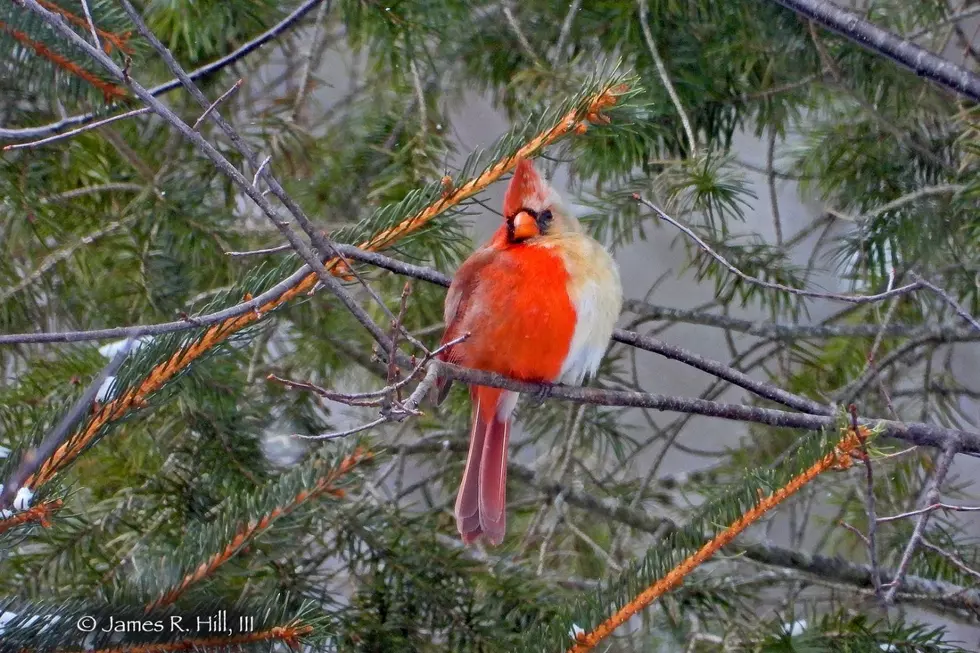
289 635
39 513
111 38
109 91
840 458
218 333
324 486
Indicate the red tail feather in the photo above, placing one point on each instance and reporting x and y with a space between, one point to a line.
482 500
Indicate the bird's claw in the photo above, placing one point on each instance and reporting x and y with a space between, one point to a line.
541 393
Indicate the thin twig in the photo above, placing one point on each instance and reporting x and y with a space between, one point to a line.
936 506
519 33
304 76
111 187
948 299
851 299
75 132
224 96
566 29
258 174
869 490
932 497
952 557
665 78
867 543
343 434
261 252
784 331
373 397
91 24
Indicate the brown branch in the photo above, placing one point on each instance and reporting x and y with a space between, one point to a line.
839 458
323 486
289 635
39 513
271 34
121 41
109 91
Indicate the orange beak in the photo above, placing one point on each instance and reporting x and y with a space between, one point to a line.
525 226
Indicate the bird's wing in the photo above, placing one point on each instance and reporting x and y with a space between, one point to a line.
461 292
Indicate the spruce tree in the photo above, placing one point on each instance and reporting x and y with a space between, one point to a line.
220 300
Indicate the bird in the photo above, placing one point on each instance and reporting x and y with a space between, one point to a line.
538 303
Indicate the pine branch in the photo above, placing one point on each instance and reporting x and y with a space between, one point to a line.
220 332
289 635
840 458
121 41
326 484
247 48
109 91
40 513
34 458
825 568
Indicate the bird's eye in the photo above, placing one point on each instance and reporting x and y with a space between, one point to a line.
544 219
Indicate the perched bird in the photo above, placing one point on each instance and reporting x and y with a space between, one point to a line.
539 301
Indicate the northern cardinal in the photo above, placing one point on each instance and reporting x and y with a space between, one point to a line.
539 301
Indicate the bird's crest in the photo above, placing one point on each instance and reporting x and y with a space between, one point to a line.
527 190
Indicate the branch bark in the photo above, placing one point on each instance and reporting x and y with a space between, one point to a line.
882 42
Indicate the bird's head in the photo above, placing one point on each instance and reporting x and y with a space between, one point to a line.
532 208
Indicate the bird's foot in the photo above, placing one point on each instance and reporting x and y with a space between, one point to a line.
543 392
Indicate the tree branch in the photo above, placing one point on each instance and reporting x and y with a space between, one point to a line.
273 33
879 41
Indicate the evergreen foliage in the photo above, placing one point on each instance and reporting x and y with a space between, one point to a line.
186 491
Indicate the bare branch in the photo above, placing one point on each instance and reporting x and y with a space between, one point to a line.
932 497
221 98
851 299
566 29
936 506
665 78
75 132
912 432
952 557
91 24
949 300
902 51
261 252
776 330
